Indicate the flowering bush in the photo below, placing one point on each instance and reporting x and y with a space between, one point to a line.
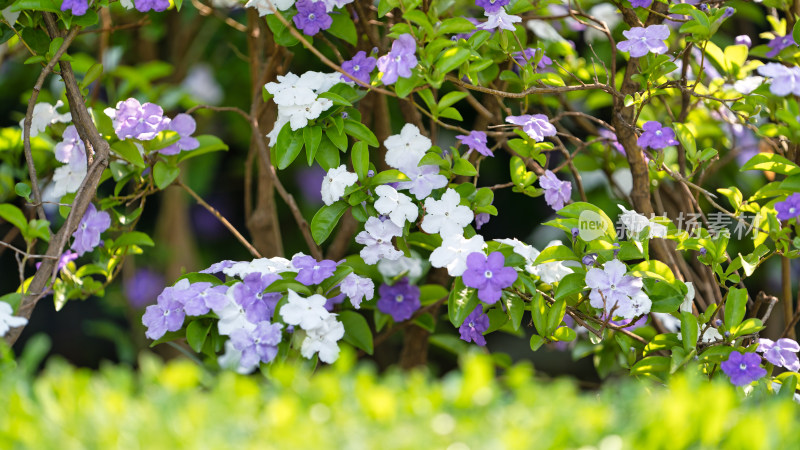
652 106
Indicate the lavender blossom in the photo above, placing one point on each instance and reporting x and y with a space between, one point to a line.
789 208
154 5
642 41
184 125
556 192
491 6
311 271
537 126
260 344
357 288
359 67
782 352
87 236
400 60
249 294
778 44
743 369
312 17
143 287
785 80
743 39
488 275
399 300
476 140
474 326
655 136
78 7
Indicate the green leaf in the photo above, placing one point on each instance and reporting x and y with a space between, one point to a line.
653 269
556 315
129 152
388 176
36 5
360 157
356 330
789 384
92 74
690 330
197 332
686 139
455 25
208 144
771 162
328 154
23 190
339 139
431 293
14 215
539 313
556 253
325 220
451 98
360 131
536 342
343 28
164 174
461 302
749 326
133 238
796 32
464 167
565 334
570 284
451 58
288 153
735 307
281 33
312 136
516 309
651 365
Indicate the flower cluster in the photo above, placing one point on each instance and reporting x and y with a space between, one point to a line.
298 99
616 293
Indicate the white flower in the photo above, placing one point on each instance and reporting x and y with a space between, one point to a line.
638 305
670 323
68 178
411 267
8 320
335 183
424 179
276 264
233 317
395 205
748 85
299 115
499 19
689 298
604 12
291 94
522 249
330 4
636 223
43 115
322 340
357 289
454 251
308 312
544 30
446 216
10 16
553 271
377 237
297 98
230 360
263 6
405 150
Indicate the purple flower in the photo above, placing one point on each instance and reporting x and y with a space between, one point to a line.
743 39
258 306
184 125
143 287
204 297
357 289
78 7
476 140
642 41
655 136
139 121
400 60
785 80
500 19
87 236
166 315
377 237
729 11
359 67
474 326
611 289
537 126
481 219
491 6
312 272
333 301
789 208
65 259
589 259
641 3
611 137
556 192
779 43
399 300
261 344
424 179
71 149
528 55
155 5
312 16
743 369
488 275
782 353
219 267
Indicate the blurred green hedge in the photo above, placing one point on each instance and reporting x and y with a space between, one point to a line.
178 405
